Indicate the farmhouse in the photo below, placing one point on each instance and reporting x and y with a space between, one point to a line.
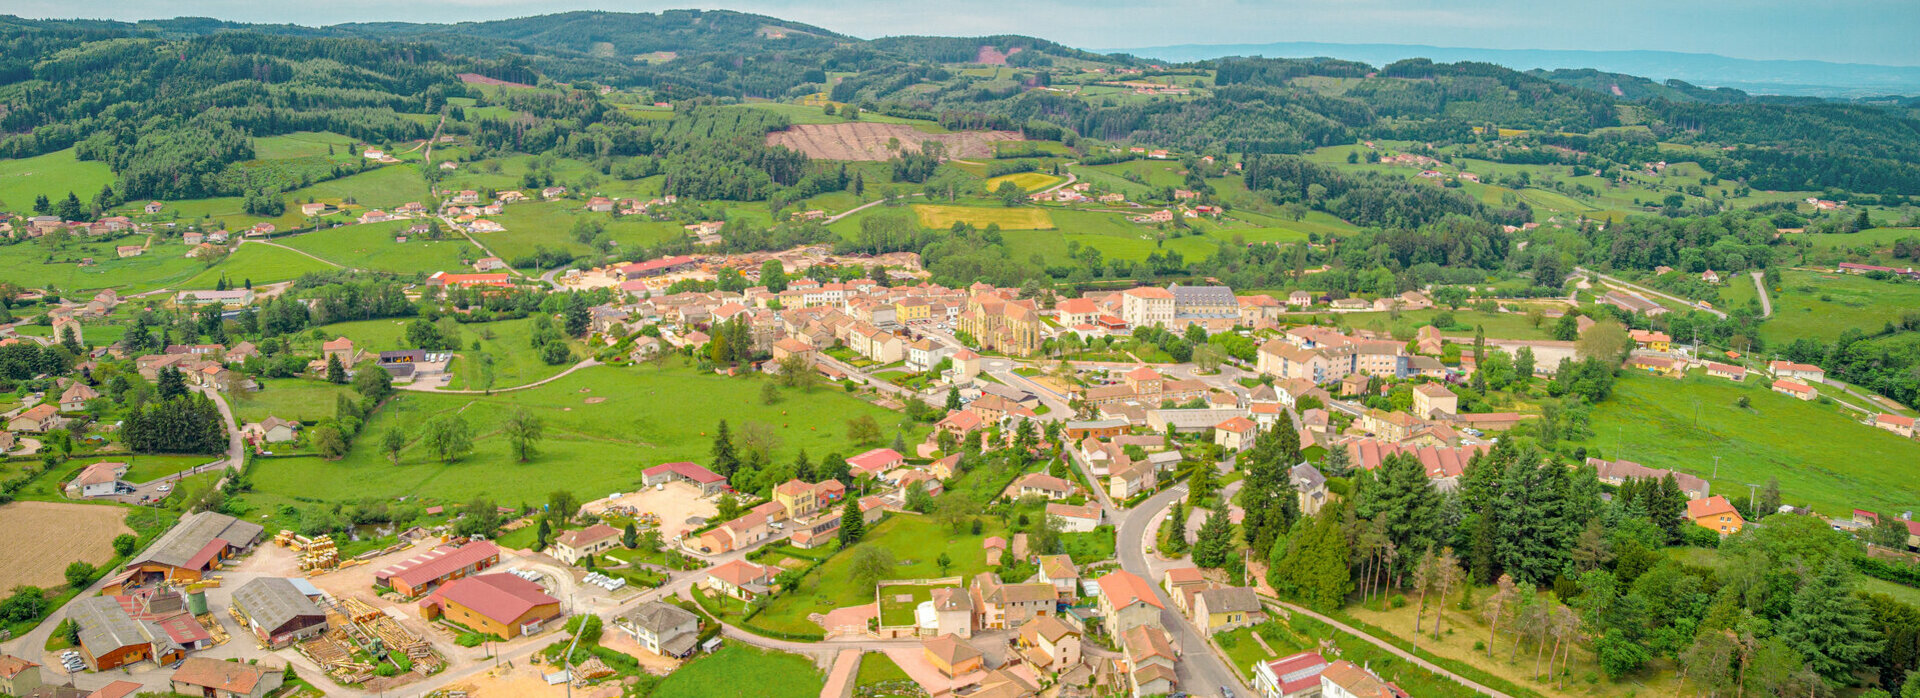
501 604
278 612
574 545
215 678
424 572
1618 472
1805 373
708 481
1729 372
197 544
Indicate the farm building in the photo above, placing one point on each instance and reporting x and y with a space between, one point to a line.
116 631
424 572
278 612
708 481
184 553
501 604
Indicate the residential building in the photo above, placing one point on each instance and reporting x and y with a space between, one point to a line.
1618 472
1049 644
1895 423
1292 676
1795 389
18 677
952 656
1225 608
1433 401
501 604
1805 373
1344 679
1060 571
1729 372
570 547
278 613
999 605
1147 306
1715 513
1040 485
37 419
1149 660
741 579
1236 434
1127 601
1075 519
800 500
1311 487
97 480
1651 341
663 628
215 678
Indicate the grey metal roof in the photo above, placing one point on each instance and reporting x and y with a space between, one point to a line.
105 626
1230 599
194 532
1202 295
1307 478
273 602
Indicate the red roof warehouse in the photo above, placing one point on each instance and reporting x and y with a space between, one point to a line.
438 566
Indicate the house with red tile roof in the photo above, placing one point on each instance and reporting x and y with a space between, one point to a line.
1795 389
217 678
1728 371
1236 434
708 481
1805 373
741 579
1440 463
573 545
1895 423
1715 513
1344 679
501 604
1128 601
876 461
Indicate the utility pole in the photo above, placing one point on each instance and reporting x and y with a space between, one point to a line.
1716 467
1751 488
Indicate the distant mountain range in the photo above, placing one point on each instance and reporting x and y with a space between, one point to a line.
1777 77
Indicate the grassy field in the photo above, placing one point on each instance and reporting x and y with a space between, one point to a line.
371 246
737 670
1821 306
1652 421
506 343
52 175
303 144
1021 218
1498 325
898 602
38 264
148 467
298 399
1030 181
915 542
260 264
591 447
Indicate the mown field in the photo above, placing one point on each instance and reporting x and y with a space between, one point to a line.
1822 305
940 217
603 426
371 246
1030 181
257 263
1823 458
37 263
507 343
299 399
52 175
737 670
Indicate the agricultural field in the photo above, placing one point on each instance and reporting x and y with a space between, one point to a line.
256 263
1030 181
41 263
46 536
371 246
53 175
940 217
722 674
1686 423
867 140
530 226
1873 246
1498 325
1822 305
812 114
603 426
298 399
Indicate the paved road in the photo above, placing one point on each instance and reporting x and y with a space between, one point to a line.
1403 654
1201 671
1650 292
1760 285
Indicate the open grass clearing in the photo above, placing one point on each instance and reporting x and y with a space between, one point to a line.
259 264
372 246
299 399
737 669
915 542
1687 423
52 175
1823 305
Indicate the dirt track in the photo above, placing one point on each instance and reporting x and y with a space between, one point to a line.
862 140
47 536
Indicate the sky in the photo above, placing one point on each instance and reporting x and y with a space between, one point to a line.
1848 31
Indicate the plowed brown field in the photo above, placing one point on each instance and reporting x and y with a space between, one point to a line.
863 140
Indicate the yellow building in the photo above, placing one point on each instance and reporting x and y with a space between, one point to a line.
1715 513
909 310
501 604
1002 325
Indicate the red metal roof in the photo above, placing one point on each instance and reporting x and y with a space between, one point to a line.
691 471
501 597
438 563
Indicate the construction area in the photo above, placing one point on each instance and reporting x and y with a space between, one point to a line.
674 508
357 637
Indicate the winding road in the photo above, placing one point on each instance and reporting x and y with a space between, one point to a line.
1760 287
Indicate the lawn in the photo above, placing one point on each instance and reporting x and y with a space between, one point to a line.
1821 306
737 670
1243 651
1030 181
371 246
876 667
1823 459
298 399
149 467
898 602
940 217
505 343
260 264
590 447
1498 325
915 542
52 175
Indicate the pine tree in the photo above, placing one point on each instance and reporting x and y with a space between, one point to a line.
953 399
725 462
1213 547
1173 531
336 373
1267 494
1479 359
1830 627
852 527
540 537
630 537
